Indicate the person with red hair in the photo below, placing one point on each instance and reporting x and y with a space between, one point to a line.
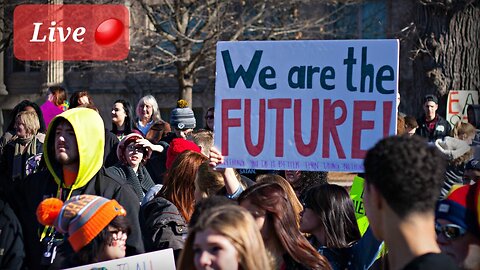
164 219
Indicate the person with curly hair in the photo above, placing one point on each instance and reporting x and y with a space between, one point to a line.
303 180
403 178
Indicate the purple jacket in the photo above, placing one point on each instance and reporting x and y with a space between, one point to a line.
49 111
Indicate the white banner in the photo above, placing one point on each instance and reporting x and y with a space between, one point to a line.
157 260
304 105
457 104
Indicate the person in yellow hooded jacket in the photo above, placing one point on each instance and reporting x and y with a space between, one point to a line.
73 152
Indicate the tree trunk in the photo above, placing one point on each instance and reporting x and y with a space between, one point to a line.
185 84
447 56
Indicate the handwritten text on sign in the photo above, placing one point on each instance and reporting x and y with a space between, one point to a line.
457 104
157 260
304 105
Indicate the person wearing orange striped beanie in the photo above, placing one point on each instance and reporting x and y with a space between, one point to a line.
458 225
96 227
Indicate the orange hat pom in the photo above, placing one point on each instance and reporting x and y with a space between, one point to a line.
48 210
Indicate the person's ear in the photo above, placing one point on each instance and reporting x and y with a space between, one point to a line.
374 197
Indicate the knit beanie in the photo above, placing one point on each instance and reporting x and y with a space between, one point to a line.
182 117
453 148
82 217
132 137
178 146
462 207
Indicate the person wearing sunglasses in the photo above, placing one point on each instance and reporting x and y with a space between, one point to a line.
209 118
133 151
458 225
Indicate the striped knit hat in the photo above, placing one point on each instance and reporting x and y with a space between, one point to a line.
82 217
182 117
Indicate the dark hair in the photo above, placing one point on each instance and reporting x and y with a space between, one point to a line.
20 107
59 94
428 98
308 179
272 198
89 253
407 172
333 205
76 96
410 122
129 123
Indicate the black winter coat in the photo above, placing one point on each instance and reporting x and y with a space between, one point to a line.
11 239
442 129
162 226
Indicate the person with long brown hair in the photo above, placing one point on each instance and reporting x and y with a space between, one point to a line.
292 197
225 237
273 212
329 217
164 219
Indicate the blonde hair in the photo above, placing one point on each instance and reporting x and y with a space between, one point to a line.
292 197
463 130
204 139
239 227
150 100
209 182
29 120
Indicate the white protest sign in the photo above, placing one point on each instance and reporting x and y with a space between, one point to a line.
304 105
157 260
457 104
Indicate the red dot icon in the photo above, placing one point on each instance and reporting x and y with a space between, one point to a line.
108 31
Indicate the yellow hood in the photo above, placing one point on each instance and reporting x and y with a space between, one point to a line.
90 133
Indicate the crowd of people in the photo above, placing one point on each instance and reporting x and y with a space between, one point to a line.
73 192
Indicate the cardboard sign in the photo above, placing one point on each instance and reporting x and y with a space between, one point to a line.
304 105
157 260
457 104
356 194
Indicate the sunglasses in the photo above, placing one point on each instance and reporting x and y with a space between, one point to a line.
136 148
450 231
209 117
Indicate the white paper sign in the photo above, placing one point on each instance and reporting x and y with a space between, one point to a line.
157 260
457 104
304 105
